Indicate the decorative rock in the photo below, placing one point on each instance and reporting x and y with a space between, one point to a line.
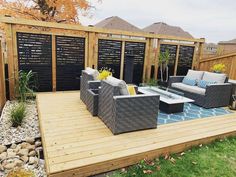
23 152
30 147
1 168
32 153
24 158
38 143
31 160
3 156
30 140
11 154
24 145
2 148
13 146
9 166
19 163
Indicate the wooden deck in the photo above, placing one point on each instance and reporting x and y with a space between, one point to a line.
77 144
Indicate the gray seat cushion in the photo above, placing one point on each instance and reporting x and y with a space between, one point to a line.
196 75
189 88
214 77
120 83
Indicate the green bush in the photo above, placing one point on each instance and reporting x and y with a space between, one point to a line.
18 113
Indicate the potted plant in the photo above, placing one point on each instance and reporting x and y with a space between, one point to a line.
163 63
104 73
218 68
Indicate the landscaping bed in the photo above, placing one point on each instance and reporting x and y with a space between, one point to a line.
21 147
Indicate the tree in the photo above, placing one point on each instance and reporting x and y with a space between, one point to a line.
61 11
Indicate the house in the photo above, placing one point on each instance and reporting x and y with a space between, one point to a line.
165 29
227 46
118 23
210 50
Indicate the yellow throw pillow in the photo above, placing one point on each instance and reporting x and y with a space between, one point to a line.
131 89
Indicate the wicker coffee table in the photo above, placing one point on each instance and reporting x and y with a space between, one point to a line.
171 101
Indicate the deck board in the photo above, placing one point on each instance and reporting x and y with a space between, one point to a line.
77 144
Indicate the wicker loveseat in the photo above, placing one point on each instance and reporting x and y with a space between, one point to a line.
126 113
216 94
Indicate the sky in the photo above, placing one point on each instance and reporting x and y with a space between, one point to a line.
214 20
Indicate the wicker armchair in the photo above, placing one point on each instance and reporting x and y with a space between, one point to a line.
125 113
216 95
87 82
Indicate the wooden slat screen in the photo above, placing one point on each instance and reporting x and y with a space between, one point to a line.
109 55
35 53
185 59
70 56
136 51
172 50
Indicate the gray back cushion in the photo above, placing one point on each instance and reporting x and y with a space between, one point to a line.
92 72
120 83
196 75
214 77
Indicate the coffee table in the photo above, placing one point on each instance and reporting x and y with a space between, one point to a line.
171 101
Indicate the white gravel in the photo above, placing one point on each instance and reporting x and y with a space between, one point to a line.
28 129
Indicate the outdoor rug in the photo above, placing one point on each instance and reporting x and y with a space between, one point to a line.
191 112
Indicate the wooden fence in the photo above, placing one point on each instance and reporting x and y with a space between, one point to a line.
2 80
229 60
58 52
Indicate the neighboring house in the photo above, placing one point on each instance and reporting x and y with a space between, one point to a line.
210 50
227 46
165 29
118 23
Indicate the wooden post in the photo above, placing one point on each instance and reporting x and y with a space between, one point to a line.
150 57
54 64
194 56
146 61
157 53
91 48
176 60
200 52
95 59
10 60
2 79
15 54
122 60
86 52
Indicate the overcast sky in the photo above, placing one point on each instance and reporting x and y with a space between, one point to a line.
214 20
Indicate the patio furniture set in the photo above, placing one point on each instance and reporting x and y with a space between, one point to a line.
121 112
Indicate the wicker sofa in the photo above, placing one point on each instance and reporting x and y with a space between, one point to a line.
88 81
125 113
214 95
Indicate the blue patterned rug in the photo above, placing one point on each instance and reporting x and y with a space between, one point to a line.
191 112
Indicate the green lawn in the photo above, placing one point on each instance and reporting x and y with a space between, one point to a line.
215 160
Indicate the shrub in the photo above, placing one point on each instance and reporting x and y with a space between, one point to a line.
18 113
24 85
20 173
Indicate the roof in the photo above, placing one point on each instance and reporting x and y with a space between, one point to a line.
163 28
233 41
115 22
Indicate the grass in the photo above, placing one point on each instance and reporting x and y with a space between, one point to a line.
18 113
215 160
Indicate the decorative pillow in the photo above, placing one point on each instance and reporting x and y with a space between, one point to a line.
189 81
203 83
131 89
214 77
196 75
120 83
